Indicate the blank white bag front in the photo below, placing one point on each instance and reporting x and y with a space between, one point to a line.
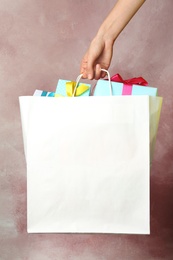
87 164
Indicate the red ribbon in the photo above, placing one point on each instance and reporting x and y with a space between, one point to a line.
136 81
127 84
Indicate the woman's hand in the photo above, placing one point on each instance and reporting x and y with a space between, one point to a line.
97 57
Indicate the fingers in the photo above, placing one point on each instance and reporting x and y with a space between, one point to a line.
94 73
83 67
92 70
89 71
103 74
98 72
87 65
96 58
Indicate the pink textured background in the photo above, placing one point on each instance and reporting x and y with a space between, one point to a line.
41 41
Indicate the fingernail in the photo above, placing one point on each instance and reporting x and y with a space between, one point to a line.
89 76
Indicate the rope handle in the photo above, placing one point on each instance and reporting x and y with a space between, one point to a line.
80 76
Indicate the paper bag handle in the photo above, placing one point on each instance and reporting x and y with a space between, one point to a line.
80 76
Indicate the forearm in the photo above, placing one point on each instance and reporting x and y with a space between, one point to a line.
118 18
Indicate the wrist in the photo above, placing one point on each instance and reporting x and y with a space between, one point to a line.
106 36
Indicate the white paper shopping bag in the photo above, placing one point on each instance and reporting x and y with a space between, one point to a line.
88 163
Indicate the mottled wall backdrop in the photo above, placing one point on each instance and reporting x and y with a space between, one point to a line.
42 41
